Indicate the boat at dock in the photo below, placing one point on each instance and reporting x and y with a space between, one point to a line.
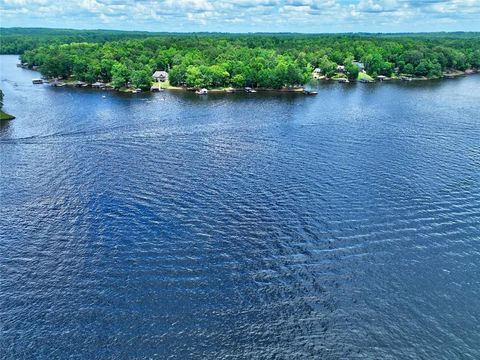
37 81
310 92
156 89
202 92
57 83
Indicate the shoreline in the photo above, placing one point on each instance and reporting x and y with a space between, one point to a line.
159 87
5 116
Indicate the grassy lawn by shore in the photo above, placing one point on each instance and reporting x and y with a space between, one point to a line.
339 76
5 116
364 77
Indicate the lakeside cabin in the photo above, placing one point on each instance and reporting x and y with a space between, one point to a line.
340 68
160 76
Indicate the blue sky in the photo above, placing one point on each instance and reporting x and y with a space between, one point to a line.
246 15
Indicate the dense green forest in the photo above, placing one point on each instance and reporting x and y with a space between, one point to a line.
18 40
221 60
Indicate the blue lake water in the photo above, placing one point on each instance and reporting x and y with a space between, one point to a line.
238 226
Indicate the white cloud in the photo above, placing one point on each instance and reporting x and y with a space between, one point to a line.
246 15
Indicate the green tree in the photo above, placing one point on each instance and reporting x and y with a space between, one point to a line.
194 77
408 69
238 80
421 69
120 75
141 79
328 67
352 71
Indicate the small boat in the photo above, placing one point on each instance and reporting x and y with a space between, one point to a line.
98 85
58 84
202 92
310 92
250 90
137 90
37 81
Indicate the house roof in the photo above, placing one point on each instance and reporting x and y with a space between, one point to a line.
160 73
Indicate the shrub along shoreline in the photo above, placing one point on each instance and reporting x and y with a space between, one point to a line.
5 116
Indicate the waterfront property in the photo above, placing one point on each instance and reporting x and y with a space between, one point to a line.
160 76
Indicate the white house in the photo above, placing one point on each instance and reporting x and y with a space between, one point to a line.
160 76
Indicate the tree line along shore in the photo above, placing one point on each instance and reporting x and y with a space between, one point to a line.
126 60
